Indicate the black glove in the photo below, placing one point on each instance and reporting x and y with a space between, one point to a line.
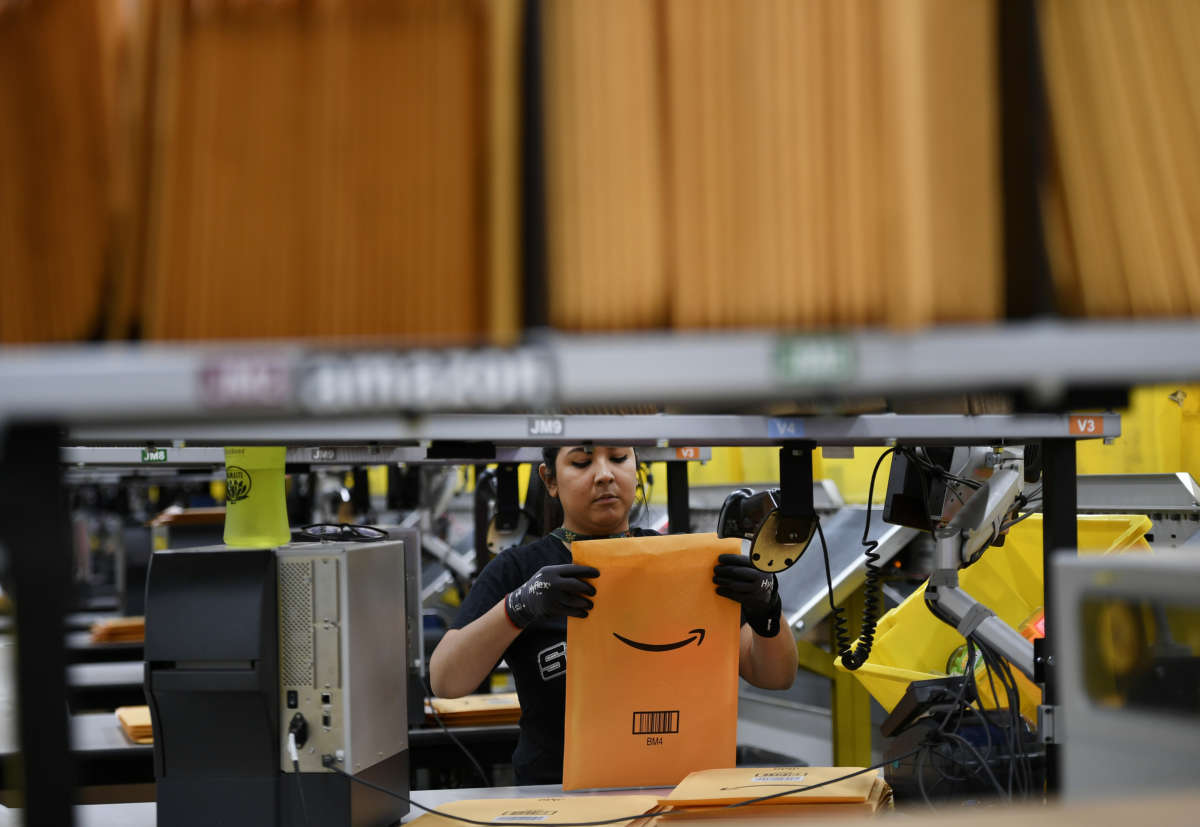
757 591
554 591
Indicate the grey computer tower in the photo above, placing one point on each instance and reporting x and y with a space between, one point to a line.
230 634
342 661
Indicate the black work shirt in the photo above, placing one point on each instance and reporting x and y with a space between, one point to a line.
537 657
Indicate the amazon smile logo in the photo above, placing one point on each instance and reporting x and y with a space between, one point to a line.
696 635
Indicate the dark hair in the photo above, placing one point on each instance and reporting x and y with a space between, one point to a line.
552 510
550 456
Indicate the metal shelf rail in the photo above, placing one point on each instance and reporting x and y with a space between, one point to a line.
693 372
192 456
507 431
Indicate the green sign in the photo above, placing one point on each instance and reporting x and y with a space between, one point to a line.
813 360
154 455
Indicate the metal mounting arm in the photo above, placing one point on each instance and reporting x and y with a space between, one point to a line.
975 525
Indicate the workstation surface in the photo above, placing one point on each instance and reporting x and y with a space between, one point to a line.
143 814
74 622
104 755
78 643
1168 808
105 686
82 649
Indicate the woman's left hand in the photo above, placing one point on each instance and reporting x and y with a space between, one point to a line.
757 591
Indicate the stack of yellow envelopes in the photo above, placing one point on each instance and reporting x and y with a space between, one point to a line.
119 630
135 720
599 808
476 710
709 794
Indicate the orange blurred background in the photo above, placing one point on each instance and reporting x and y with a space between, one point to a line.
454 171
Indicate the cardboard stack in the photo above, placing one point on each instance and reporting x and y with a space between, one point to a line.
475 710
135 720
702 797
119 630
709 794
571 810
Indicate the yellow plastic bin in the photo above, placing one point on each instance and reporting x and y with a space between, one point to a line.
912 645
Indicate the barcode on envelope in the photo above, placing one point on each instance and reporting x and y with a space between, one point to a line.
656 723
523 815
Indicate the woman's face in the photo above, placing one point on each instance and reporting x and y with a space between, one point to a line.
595 485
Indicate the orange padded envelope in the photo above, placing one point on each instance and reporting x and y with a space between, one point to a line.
652 671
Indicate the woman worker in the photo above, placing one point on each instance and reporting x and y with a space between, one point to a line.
518 608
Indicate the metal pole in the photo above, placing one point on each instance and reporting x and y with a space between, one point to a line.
1059 533
851 706
34 528
678 509
1029 291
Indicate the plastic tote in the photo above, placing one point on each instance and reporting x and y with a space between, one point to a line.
255 505
912 645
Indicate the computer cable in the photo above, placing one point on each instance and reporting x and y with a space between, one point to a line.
962 692
330 763
1014 706
1024 501
955 758
943 752
1012 737
478 767
298 725
930 467
978 757
855 656
976 708
959 706
1015 520
920 772
1018 760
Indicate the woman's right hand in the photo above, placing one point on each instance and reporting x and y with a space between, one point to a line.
554 591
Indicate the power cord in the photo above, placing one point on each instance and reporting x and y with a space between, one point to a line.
478 767
1012 737
1018 757
854 656
330 763
298 726
930 467
946 744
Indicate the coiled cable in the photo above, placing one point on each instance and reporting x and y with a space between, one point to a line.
855 656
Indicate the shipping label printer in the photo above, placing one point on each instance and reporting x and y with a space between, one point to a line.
244 646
